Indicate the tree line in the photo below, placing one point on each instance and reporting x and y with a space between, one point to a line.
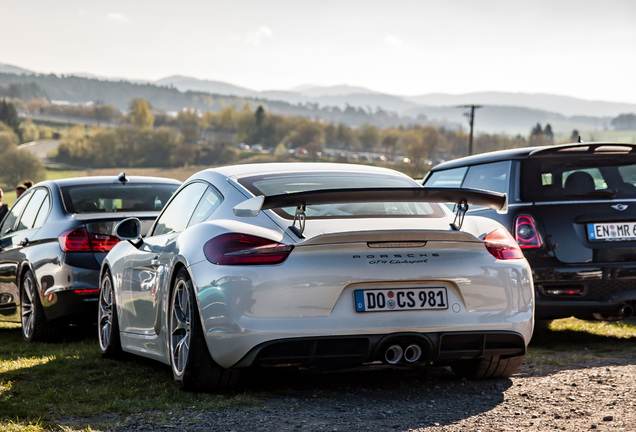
147 137
154 139
16 166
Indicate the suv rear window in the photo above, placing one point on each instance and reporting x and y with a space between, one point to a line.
112 198
577 177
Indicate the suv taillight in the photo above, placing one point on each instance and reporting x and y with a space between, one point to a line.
526 232
501 245
80 240
243 249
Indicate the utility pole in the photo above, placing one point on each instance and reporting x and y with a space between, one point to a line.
471 120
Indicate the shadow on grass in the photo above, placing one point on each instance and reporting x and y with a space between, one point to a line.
551 351
49 381
69 383
71 380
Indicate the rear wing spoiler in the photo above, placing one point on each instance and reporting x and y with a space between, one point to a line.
462 197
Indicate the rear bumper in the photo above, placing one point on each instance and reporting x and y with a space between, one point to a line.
71 306
584 290
71 294
363 349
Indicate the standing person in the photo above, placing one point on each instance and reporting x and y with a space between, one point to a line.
28 183
3 207
19 190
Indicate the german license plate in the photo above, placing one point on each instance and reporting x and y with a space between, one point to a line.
380 300
612 231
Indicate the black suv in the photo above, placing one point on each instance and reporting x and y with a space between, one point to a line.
572 209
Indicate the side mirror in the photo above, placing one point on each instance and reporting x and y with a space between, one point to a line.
128 229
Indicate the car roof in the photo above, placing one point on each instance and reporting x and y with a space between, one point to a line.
248 170
526 152
92 180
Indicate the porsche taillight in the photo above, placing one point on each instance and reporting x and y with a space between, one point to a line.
80 240
502 245
243 249
526 232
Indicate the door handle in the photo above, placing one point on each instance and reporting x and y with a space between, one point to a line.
24 242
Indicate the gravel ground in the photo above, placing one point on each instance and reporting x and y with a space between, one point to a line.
595 393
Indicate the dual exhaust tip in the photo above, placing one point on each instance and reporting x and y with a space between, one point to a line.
395 354
624 311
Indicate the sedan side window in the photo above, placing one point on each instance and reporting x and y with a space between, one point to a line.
14 214
178 211
30 213
43 213
491 177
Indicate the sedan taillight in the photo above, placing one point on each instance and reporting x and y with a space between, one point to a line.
243 249
526 232
502 245
80 240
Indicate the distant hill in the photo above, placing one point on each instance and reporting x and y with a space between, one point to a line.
5 68
184 84
510 113
81 90
340 90
564 105
495 119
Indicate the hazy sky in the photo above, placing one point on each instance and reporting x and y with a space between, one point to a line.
581 48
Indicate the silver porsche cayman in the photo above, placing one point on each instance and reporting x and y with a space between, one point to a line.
316 265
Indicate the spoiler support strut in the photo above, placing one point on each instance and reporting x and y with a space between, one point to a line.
460 212
299 217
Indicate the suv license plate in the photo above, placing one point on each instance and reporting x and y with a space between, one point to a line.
613 231
400 299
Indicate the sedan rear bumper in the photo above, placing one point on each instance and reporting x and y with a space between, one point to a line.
71 306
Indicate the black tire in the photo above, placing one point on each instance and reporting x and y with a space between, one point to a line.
487 367
541 327
35 327
107 321
192 366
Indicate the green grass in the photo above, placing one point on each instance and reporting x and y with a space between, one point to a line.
625 329
56 174
41 384
573 342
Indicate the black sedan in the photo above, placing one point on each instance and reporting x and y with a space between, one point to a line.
53 241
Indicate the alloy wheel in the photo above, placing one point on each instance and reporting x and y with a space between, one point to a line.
27 307
180 323
105 317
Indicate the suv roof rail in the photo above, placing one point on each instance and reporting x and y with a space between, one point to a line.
596 147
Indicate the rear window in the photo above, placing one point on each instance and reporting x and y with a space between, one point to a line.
113 198
577 177
285 183
489 176
451 178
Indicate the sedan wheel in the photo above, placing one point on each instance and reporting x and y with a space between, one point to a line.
193 368
35 327
107 322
